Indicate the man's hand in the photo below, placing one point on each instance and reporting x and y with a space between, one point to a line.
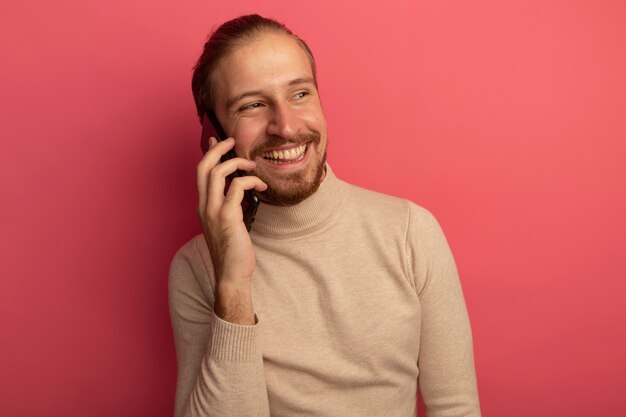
224 230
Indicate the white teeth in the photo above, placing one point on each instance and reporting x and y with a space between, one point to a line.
292 154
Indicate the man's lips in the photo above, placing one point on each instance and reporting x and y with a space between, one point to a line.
277 143
285 154
284 147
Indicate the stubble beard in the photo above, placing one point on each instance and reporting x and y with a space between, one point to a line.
293 188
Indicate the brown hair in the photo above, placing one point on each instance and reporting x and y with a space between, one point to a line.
221 42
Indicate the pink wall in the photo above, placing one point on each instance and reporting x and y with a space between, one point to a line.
505 119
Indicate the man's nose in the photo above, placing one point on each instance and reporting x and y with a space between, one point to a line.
283 122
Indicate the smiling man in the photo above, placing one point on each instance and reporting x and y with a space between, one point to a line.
340 301
265 96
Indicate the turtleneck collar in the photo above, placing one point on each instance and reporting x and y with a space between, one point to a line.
280 222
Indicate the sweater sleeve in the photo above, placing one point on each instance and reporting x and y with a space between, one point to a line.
220 366
447 378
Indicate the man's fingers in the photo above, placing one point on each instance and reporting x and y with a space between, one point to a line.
211 174
209 160
237 187
217 180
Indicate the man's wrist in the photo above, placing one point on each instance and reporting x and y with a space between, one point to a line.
234 304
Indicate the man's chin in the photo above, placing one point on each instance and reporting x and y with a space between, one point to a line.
293 189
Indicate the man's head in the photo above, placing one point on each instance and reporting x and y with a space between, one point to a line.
260 81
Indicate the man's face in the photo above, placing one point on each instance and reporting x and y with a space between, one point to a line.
265 97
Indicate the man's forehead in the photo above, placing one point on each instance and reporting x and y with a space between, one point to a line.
272 58
267 42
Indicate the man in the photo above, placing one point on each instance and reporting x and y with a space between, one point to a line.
340 301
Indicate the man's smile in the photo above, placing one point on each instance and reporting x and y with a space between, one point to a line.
285 155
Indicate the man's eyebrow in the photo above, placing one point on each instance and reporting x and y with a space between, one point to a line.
302 80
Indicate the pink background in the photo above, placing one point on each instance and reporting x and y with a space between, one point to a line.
506 119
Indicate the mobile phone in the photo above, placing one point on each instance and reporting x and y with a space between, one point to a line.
212 127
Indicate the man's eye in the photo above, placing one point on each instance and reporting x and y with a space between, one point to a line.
301 94
250 106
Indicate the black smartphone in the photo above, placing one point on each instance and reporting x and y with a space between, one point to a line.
211 127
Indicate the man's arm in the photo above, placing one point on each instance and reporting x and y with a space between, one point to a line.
220 367
447 378
225 233
220 363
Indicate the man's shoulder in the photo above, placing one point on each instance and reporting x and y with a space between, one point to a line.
191 270
192 248
193 256
377 203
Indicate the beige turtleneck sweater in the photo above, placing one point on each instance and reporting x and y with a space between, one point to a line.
357 300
